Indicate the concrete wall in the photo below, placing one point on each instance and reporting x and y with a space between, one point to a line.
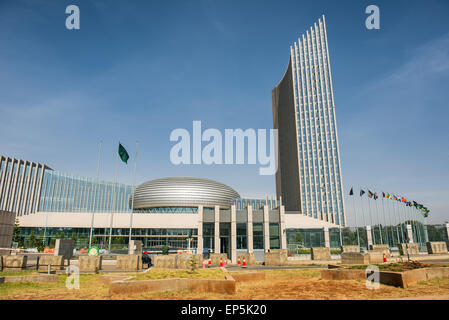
383 248
6 230
436 247
215 258
64 248
276 257
321 254
128 262
14 262
350 248
355 258
55 262
90 263
412 248
249 258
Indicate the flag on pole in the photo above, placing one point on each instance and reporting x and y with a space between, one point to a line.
351 192
123 153
370 194
361 192
375 196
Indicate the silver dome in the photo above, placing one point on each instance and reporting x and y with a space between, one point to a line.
183 192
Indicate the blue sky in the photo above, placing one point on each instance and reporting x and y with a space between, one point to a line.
136 70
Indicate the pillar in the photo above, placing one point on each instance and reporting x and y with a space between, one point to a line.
409 233
283 232
327 241
199 248
369 237
447 232
426 235
266 228
233 256
217 230
249 229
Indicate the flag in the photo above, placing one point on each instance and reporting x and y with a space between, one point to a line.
361 192
375 196
370 194
384 195
123 153
350 192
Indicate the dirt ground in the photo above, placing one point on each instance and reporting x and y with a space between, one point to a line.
304 284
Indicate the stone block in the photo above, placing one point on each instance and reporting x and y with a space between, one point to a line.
413 248
128 262
249 258
376 257
355 258
183 260
135 247
215 258
64 248
14 262
55 262
383 248
436 247
350 248
319 253
276 257
90 263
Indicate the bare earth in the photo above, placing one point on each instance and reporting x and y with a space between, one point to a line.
296 284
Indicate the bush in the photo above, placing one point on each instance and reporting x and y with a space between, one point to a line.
165 250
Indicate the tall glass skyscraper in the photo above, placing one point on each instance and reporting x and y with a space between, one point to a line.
309 175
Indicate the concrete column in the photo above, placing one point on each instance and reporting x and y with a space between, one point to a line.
266 228
217 230
233 234
327 241
447 232
369 236
283 232
409 233
199 248
249 229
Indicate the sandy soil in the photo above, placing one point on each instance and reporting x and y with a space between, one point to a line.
279 284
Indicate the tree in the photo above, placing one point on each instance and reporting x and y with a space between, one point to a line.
32 240
165 250
16 237
298 238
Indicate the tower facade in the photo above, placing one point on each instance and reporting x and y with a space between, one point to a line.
309 172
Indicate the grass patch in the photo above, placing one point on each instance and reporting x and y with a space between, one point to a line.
288 273
17 273
154 274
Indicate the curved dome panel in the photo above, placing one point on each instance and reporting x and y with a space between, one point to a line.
183 191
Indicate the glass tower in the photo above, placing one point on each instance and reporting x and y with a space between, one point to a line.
309 174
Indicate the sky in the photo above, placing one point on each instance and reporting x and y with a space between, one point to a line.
137 70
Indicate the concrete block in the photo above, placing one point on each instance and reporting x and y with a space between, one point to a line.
183 260
55 262
129 262
376 257
215 258
164 261
248 276
64 248
40 278
14 262
350 248
336 274
436 247
249 258
319 253
413 248
276 257
90 263
135 247
383 248
355 258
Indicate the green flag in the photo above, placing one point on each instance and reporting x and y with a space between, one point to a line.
123 153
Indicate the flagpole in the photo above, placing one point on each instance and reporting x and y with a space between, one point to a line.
132 196
95 195
377 216
113 201
399 220
390 220
371 219
363 215
385 220
355 216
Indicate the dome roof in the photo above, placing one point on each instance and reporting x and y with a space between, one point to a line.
183 191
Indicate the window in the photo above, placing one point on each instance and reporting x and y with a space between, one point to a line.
242 236
258 236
